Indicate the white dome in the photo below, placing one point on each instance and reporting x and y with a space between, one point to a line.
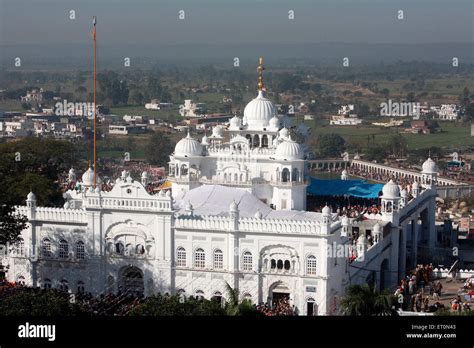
326 210
259 111
217 132
289 150
31 196
188 147
233 207
88 177
235 122
430 167
274 123
377 228
391 190
284 132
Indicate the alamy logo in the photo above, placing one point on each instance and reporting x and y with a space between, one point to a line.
401 109
73 109
37 331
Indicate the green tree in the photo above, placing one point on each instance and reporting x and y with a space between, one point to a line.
366 300
11 224
330 145
158 149
30 302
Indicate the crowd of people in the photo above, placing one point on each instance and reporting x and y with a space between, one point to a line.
349 206
281 307
420 292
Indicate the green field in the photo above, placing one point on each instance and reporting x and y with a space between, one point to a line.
452 135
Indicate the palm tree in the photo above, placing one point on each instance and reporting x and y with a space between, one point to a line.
234 307
366 300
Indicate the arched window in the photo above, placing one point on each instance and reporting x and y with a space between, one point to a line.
247 297
285 175
80 250
20 247
46 247
247 262
81 287
311 265
63 249
119 248
64 285
47 284
140 249
218 259
21 280
199 258
199 294
287 265
217 297
181 257
273 264
295 175
280 264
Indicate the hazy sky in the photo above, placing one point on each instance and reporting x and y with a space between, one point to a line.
156 22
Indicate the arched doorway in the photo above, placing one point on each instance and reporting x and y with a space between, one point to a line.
279 292
131 282
311 307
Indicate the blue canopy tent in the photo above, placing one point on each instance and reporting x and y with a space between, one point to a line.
356 188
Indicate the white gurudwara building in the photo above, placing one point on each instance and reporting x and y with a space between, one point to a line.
235 214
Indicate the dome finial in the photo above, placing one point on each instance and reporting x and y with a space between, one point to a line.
261 85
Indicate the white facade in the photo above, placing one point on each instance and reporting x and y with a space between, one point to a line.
216 226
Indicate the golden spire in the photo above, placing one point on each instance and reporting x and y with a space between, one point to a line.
260 69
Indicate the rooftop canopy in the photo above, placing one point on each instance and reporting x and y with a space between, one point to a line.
356 188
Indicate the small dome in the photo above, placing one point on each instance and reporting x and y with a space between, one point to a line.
289 150
284 132
31 196
326 210
259 111
233 207
235 123
391 190
430 167
218 132
88 177
361 239
188 147
274 123
205 140
377 228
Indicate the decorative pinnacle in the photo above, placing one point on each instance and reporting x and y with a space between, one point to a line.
260 69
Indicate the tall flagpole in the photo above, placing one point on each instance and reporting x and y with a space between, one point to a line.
94 36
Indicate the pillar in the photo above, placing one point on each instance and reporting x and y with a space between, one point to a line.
414 242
